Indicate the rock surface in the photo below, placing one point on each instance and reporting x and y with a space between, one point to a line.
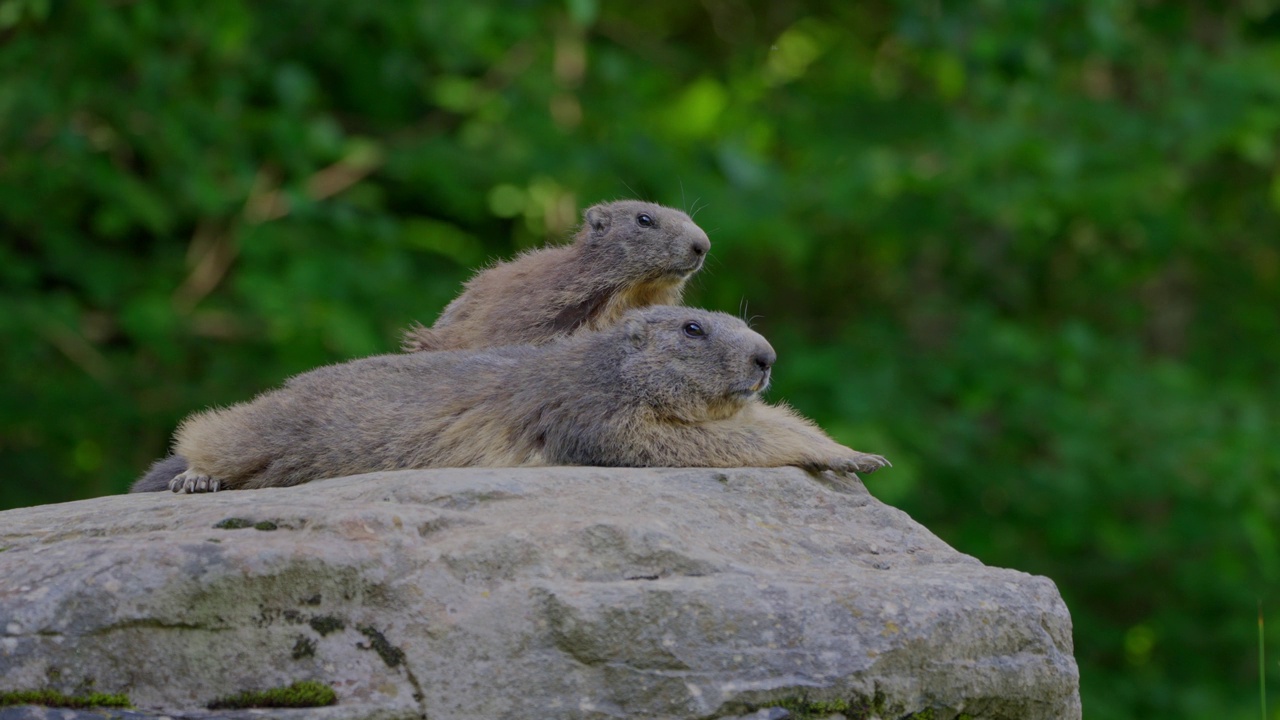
529 593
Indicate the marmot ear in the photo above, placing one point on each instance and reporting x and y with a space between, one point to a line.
637 331
598 219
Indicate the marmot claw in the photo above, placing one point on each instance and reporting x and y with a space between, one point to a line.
862 463
192 482
866 463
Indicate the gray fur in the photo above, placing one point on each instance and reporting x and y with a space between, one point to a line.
642 394
614 264
159 474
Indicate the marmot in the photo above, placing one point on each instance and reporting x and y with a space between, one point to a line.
627 254
665 387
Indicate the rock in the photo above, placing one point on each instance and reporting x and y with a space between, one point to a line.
529 593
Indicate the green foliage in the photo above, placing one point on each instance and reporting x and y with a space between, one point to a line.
1029 251
303 694
53 698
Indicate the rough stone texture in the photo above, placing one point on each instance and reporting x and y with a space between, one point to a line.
528 593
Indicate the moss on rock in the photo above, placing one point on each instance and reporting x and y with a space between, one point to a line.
53 698
307 693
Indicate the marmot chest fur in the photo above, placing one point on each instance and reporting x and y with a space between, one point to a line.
627 254
665 387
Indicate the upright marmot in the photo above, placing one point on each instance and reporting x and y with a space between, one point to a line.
628 254
665 387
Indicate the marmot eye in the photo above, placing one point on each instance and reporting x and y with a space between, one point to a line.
644 220
694 330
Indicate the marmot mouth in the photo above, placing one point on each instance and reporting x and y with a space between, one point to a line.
690 269
753 388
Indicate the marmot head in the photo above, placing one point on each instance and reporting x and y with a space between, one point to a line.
693 365
647 241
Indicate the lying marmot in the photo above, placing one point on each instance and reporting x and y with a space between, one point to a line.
666 387
628 254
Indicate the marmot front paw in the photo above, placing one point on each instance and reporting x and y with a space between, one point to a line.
193 482
855 463
866 463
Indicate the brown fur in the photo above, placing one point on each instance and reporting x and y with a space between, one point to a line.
648 392
613 265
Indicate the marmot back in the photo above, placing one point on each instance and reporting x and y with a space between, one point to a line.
627 254
664 387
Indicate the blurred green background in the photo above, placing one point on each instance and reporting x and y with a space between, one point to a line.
1028 250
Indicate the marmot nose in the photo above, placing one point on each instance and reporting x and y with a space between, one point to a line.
765 359
701 246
